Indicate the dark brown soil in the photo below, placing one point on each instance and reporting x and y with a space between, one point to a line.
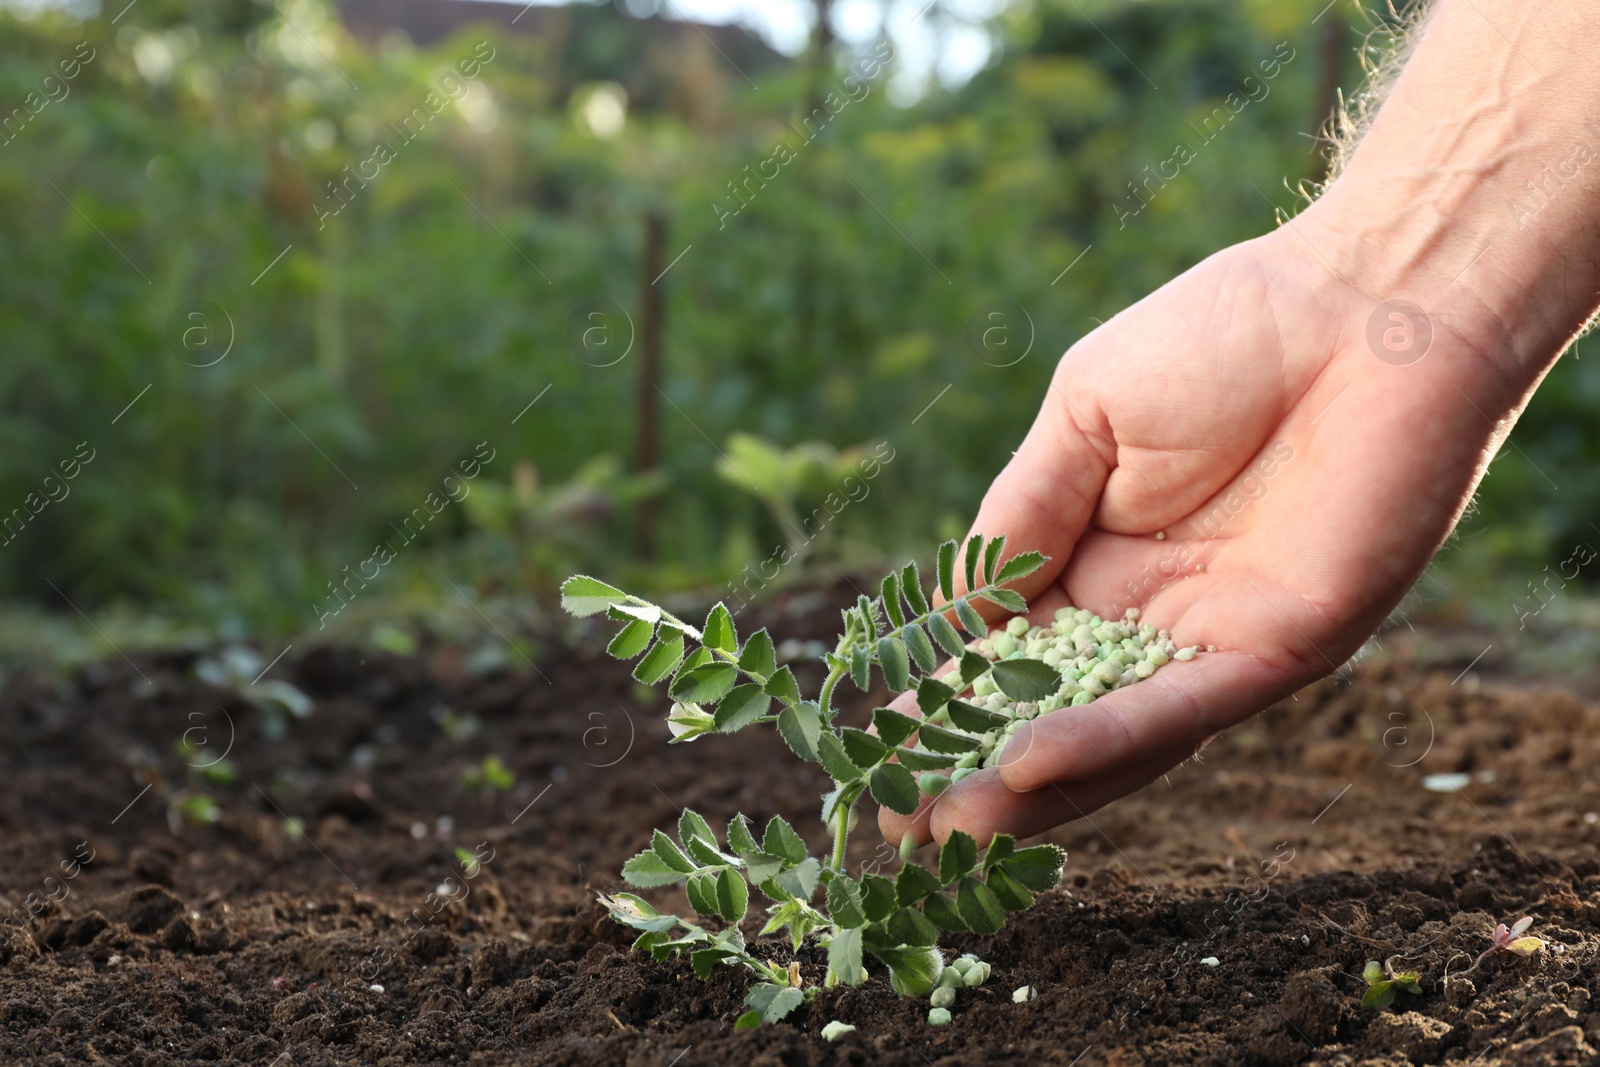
1296 849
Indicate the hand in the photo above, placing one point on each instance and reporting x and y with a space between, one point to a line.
1301 482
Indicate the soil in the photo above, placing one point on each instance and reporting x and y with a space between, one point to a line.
1222 915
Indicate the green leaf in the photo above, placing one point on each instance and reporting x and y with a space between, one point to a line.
733 895
1019 566
844 902
758 657
741 707
921 649
719 632
932 695
860 667
773 1002
831 754
970 717
947 570
670 853
892 658
648 870
914 759
914 883
1026 679
1379 996
947 637
750 1020
878 898
740 839
972 665
698 658
1009 599
704 684
894 788
893 727
1001 847
1037 867
980 909
783 687
582 595
913 970
662 659
974 550
863 749
911 589
844 957
800 881
941 911
801 726
632 639
970 620
1012 894
938 739
781 840
910 927
692 825
891 600
991 557
702 960
958 857
702 894
637 912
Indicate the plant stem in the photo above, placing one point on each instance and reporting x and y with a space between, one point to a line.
825 699
841 826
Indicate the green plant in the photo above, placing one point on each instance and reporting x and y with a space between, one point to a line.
1506 941
1384 984
491 776
724 685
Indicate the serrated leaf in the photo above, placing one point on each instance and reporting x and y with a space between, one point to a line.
947 570
705 684
860 667
941 911
646 612
662 659
946 636
1026 679
914 883
743 705
800 881
1001 846
844 957
637 912
914 759
692 825
878 897
733 895
921 649
970 717
835 760
991 558
970 620
972 665
632 639
702 960
980 909
958 857
740 839
932 695
938 739
863 749
890 591
783 687
894 788
844 902
911 589
774 1002
1019 566
801 726
1009 599
702 894
781 840
719 633
893 727
758 656
670 853
582 595
1037 867
1012 894
896 667
974 552
647 870
909 926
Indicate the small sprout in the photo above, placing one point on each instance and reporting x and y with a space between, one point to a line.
836 1029
938 1016
943 997
1024 994
294 827
1383 984
489 777
468 861
1512 942
194 808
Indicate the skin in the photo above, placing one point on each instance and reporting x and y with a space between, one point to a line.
1474 197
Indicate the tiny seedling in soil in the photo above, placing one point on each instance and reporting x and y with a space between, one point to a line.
193 807
1001 678
490 776
1384 984
1507 941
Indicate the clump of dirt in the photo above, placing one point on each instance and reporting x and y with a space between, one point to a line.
356 902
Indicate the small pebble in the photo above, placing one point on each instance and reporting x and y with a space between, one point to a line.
1211 961
375 987
1023 995
835 1030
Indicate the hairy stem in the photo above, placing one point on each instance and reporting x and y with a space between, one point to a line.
841 826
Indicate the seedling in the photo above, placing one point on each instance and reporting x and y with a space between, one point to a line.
1507 941
719 684
239 669
193 807
490 776
1384 984
469 862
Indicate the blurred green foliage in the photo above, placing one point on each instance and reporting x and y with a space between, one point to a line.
388 311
